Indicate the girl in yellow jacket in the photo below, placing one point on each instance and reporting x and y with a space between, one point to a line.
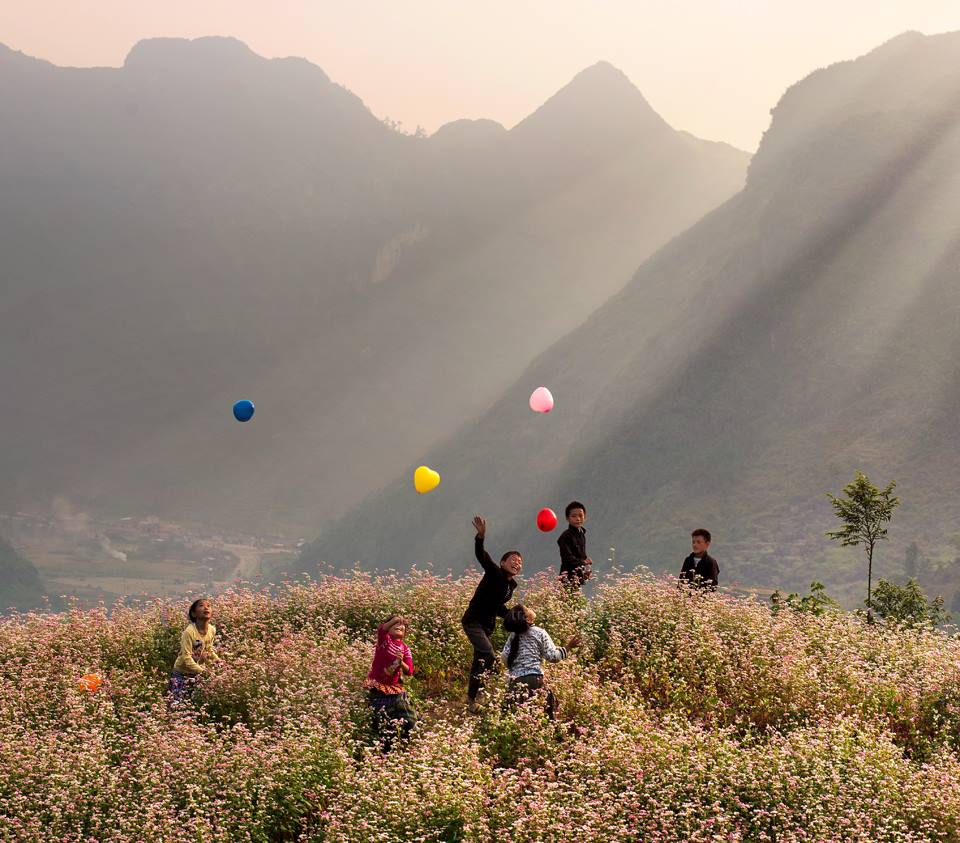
196 651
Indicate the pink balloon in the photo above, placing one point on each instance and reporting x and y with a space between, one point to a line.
541 401
546 520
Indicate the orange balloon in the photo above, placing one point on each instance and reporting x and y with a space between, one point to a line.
90 682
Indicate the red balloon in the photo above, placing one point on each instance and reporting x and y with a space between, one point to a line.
546 520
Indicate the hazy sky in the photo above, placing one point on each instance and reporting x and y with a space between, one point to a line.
712 67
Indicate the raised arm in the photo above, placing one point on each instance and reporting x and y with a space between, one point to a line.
387 626
550 651
398 653
480 525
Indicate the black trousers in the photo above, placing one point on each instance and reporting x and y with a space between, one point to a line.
393 717
522 688
483 656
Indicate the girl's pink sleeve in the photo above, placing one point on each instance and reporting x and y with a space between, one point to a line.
408 659
379 646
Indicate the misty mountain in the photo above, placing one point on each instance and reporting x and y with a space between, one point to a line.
20 583
805 329
204 224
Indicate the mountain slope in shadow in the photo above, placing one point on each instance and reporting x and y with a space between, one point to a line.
804 329
204 224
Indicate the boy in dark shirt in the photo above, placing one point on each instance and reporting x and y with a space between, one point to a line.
700 569
488 601
575 565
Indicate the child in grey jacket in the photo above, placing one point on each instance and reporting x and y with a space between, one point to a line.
525 651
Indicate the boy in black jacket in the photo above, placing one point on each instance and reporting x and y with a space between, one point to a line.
488 601
575 565
700 569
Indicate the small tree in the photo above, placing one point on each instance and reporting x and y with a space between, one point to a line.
864 512
908 605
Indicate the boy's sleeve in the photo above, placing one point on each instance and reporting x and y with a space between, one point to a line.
186 653
482 556
550 651
714 574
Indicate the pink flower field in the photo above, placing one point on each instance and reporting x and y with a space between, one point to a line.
683 718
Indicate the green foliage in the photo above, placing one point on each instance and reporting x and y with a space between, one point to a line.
512 734
815 603
294 802
864 512
907 604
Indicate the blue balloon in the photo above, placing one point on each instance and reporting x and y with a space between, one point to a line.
243 410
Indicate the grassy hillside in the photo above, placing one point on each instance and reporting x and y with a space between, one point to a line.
683 718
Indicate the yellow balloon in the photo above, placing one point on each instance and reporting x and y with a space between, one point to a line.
425 479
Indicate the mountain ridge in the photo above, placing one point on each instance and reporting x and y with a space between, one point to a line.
172 243
752 363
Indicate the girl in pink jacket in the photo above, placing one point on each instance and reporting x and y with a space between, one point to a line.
393 714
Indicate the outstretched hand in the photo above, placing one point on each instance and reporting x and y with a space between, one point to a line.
574 642
480 525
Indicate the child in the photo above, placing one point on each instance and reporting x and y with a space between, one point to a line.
525 651
700 569
489 600
196 650
392 660
575 565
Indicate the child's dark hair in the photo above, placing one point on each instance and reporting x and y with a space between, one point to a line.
517 623
704 534
572 506
510 553
193 607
